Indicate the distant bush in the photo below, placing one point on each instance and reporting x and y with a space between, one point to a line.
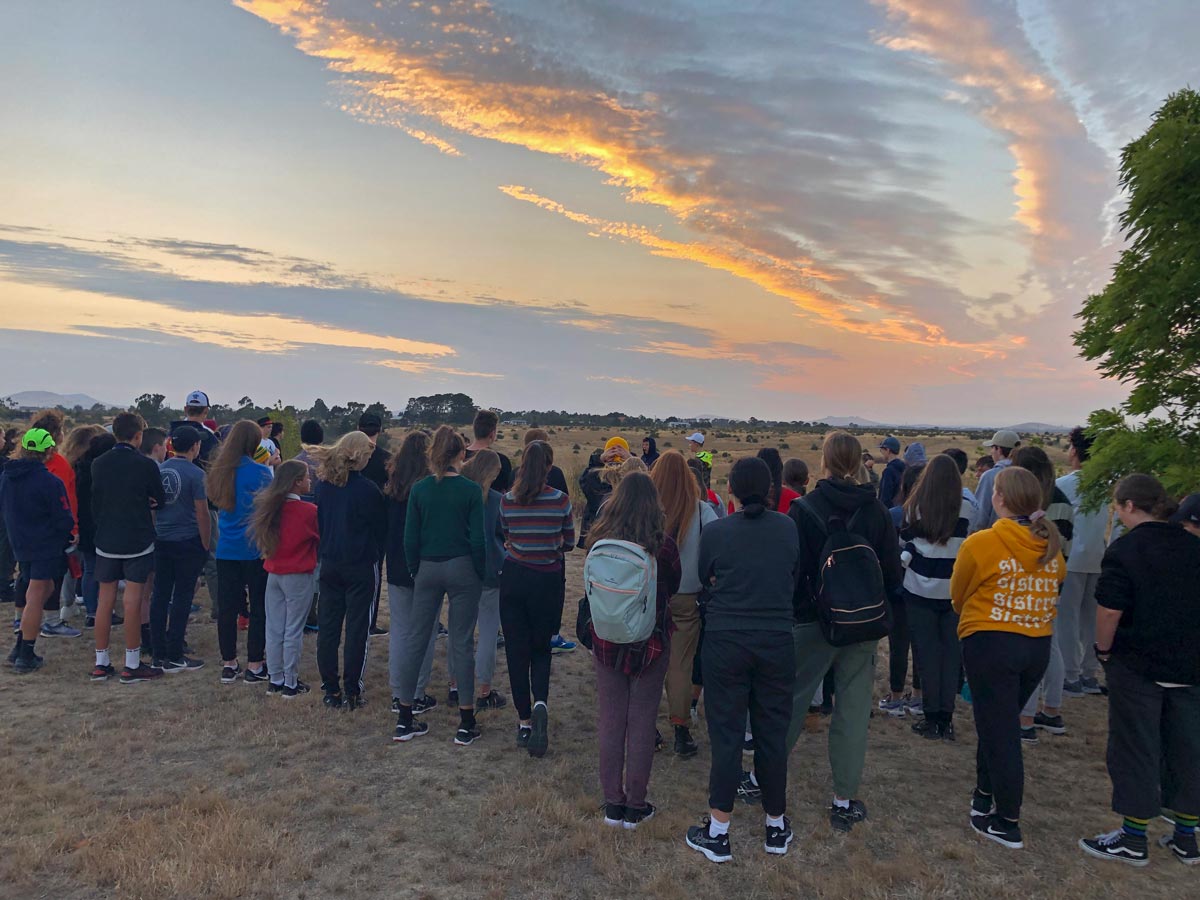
576 448
815 446
785 446
668 444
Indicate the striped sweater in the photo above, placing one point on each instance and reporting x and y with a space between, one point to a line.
536 535
1062 513
928 566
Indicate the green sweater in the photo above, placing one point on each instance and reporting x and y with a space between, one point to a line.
445 520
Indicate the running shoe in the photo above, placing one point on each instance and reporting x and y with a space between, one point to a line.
59 629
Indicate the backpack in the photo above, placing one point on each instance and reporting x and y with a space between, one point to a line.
620 580
850 597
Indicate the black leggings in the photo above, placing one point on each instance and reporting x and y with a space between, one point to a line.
531 603
237 579
898 646
934 626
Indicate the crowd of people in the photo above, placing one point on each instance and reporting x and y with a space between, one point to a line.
764 607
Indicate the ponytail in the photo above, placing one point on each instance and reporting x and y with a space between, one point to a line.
750 482
1147 494
1043 527
1022 494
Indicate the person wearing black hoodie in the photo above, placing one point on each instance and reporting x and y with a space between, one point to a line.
837 494
650 452
37 517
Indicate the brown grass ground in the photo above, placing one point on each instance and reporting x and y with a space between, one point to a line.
187 788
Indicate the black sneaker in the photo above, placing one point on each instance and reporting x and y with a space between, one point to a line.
927 728
332 700
14 652
843 818
230 674
523 733
408 732
685 747
465 736
614 813
103 673
355 701
998 829
1052 724
423 704
715 848
1029 735
948 731
779 838
494 700
290 693
89 622
748 791
27 662
452 696
183 664
252 677
377 632
274 688
140 674
1118 846
659 743
982 805
635 817
539 739
1182 847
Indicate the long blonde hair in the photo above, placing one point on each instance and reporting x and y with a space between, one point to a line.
351 453
221 479
613 475
268 506
678 491
77 441
1022 495
482 468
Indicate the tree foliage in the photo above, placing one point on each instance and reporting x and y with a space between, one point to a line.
1144 327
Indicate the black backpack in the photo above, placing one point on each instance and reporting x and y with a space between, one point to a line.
849 594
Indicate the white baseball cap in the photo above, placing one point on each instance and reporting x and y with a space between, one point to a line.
697 438
197 398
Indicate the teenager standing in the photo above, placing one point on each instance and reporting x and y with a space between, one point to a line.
232 481
352 516
97 447
629 677
538 527
750 562
1005 589
445 550
1148 638
484 468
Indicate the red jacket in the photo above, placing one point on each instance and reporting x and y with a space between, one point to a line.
296 552
58 466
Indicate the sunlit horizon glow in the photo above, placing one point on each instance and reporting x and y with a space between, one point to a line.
886 208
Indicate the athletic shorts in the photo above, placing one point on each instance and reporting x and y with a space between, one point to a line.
44 569
134 569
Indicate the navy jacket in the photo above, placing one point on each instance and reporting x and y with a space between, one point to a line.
889 483
354 522
37 514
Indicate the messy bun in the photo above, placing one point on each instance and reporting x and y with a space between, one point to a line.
1147 494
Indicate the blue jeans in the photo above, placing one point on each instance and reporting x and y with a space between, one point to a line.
177 566
91 587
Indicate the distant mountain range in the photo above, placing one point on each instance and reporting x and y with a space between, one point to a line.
46 399
861 422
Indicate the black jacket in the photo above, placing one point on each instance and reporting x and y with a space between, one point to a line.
651 457
1151 575
749 567
37 514
353 521
83 496
209 442
397 562
864 515
376 467
125 487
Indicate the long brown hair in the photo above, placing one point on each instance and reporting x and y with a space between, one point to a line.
632 514
77 441
350 454
448 445
841 455
1035 460
678 492
932 509
408 466
221 479
482 468
1022 494
531 477
268 506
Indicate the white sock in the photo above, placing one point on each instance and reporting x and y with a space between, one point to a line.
841 804
749 736
716 829
102 658
541 703
774 821
133 658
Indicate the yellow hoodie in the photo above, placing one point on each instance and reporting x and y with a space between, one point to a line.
999 585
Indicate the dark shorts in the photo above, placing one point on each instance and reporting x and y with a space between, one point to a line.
44 569
136 569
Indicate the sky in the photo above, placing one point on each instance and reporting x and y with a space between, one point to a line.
788 209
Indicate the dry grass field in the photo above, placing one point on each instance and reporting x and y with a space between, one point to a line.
185 788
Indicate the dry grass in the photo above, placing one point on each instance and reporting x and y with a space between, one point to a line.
187 788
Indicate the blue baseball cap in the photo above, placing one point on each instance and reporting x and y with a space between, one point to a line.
890 443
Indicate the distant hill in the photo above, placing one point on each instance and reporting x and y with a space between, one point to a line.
45 399
847 421
1038 428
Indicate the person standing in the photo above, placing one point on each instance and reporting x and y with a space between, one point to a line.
371 425
483 431
1005 590
1148 639
285 530
352 516
685 519
483 469
195 411
1076 627
232 481
557 480
749 562
696 445
1001 446
539 527
629 677
53 422
98 446
893 470
180 549
445 549
650 452
37 518
126 487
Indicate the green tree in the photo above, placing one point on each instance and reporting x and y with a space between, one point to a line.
1143 329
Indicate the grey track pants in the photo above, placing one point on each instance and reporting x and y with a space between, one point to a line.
287 601
400 601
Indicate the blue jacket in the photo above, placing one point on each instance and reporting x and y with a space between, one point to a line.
234 542
37 514
889 483
353 521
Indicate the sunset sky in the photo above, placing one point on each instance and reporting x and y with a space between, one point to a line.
779 208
